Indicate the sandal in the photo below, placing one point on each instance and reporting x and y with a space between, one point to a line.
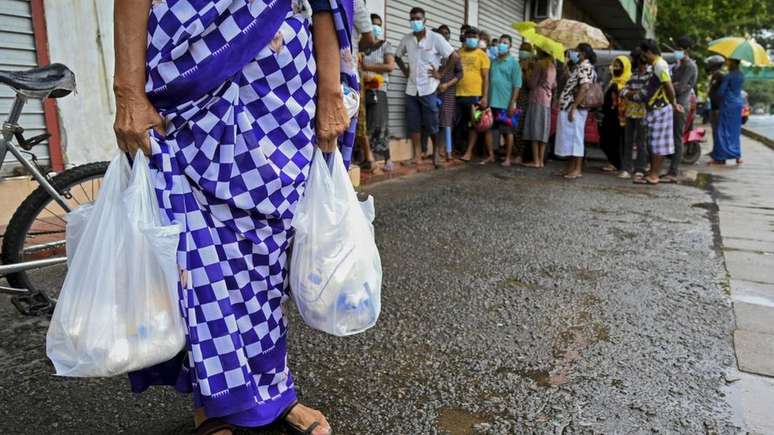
667 179
213 425
645 181
297 430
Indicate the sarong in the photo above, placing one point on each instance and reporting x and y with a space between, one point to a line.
570 136
660 137
235 81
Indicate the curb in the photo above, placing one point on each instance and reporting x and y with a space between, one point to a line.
769 142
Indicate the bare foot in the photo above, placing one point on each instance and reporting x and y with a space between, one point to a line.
302 417
573 175
531 165
739 162
465 158
716 162
506 163
517 160
487 161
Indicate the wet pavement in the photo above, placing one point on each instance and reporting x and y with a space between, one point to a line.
513 302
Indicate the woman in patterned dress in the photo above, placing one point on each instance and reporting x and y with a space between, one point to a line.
235 93
571 122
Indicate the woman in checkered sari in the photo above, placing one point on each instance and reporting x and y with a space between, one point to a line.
235 93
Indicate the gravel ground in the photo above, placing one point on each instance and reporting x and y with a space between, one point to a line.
513 302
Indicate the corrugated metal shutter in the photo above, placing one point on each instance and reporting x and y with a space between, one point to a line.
17 52
496 17
451 13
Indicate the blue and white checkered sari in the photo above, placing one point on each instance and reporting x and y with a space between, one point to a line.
235 81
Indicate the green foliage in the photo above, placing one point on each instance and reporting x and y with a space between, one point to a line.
760 93
705 20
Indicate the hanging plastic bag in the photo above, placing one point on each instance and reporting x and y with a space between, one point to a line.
335 269
118 310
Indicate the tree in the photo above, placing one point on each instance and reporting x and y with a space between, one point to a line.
705 20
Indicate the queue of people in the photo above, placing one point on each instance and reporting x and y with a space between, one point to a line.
460 99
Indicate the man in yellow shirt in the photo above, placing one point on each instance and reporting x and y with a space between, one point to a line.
473 88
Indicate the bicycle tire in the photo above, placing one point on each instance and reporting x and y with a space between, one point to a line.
30 208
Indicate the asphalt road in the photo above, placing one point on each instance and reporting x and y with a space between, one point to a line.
513 302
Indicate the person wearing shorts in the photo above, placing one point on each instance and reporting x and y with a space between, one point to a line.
472 90
420 55
504 86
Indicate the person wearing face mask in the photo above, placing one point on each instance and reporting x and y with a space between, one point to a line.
684 76
635 130
527 62
613 117
421 56
447 91
377 64
362 39
537 120
571 122
472 90
504 86
661 102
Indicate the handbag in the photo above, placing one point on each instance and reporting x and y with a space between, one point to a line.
595 95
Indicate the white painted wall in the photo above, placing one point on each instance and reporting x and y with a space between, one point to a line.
80 35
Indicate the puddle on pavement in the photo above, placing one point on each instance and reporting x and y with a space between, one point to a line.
456 421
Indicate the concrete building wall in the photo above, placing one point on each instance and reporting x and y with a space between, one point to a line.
80 34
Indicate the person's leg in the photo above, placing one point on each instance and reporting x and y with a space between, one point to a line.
541 154
627 148
447 132
414 124
508 148
489 146
677 132
430 112
536 157
655 168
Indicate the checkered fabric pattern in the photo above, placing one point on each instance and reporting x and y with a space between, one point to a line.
660 124
231 169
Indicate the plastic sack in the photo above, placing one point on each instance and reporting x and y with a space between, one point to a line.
335 269
118 310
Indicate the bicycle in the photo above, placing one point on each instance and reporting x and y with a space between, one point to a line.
35 236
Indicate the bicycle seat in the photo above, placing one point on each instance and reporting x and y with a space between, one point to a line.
54 80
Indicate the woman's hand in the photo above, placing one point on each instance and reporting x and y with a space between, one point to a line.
135 115
332 120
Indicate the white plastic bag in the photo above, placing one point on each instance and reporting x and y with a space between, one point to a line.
335 269
118 310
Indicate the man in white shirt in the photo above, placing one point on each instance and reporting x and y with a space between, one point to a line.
425 52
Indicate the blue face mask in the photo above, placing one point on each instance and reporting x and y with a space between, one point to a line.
471 42
679 55
524 55
417 25
574 56
503 48
377 31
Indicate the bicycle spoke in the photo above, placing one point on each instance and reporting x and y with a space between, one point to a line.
56 216
85 192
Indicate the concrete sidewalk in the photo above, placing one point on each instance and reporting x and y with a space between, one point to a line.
746 220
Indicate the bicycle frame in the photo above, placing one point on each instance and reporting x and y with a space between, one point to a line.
12 129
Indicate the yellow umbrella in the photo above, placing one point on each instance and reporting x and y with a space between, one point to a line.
571 33
527 31
741 49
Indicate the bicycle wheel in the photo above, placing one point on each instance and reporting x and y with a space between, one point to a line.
37 231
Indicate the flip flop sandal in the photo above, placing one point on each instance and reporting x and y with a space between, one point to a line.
667 180
297 430
645 181
609 168
213 425
572 177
